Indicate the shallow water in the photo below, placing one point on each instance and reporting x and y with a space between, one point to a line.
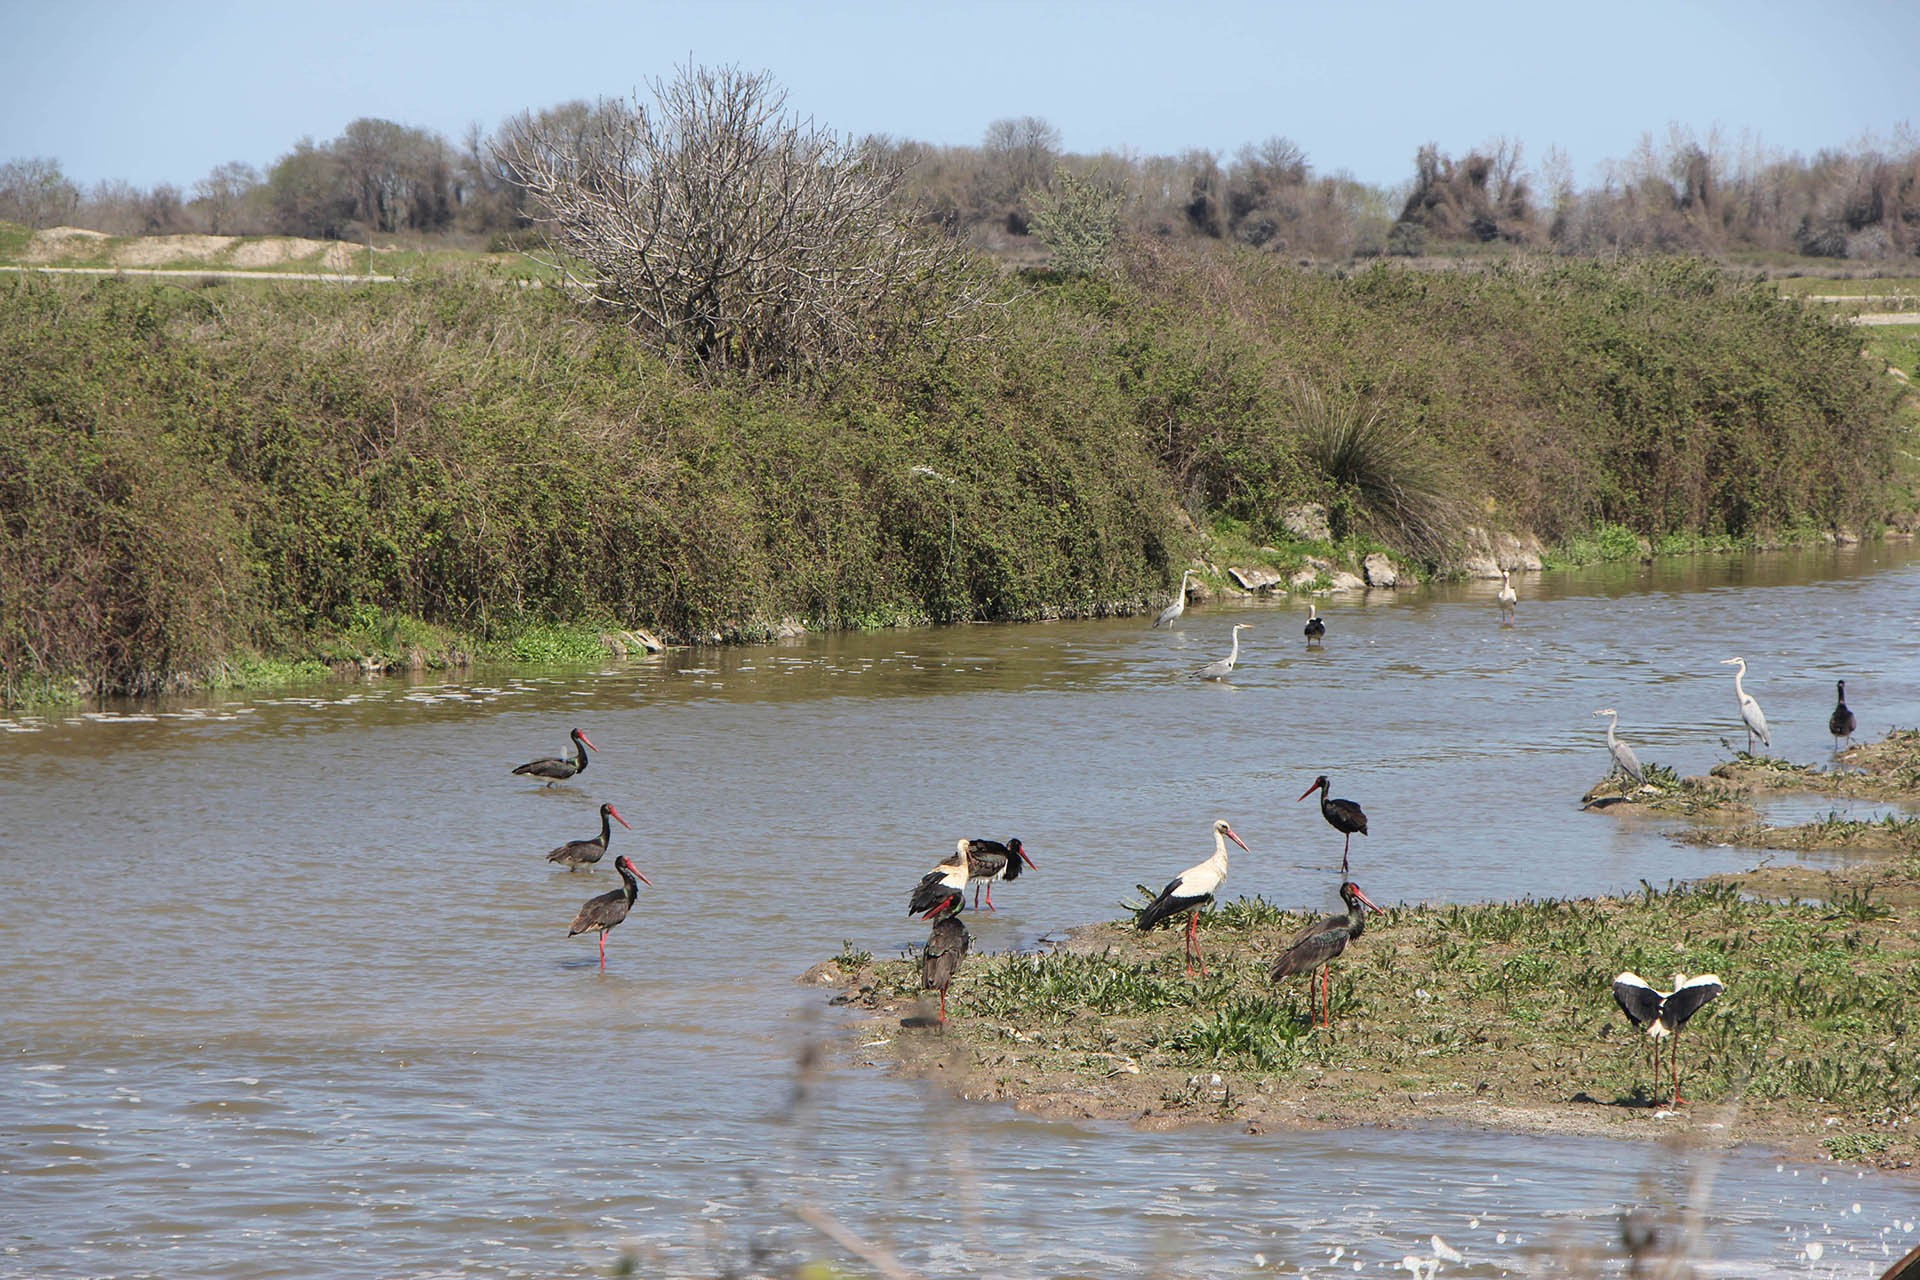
287 987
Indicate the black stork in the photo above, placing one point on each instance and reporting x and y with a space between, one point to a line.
1317 945
989 860
1191 890
1316 630
575 854
946 948
1662 1014
1343 816
943 888
1841 723
600 914
559 768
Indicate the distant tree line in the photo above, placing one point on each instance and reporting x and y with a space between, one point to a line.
1687 194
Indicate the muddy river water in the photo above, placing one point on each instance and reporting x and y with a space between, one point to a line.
285 987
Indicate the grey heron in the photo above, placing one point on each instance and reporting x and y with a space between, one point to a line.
1224 667
1170 614
1316 630
1841 723
1623 758
1749 709
1507 597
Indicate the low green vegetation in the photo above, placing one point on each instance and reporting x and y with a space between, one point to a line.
191 478
1501 1006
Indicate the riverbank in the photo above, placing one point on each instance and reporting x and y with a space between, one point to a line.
192 480
1497 1015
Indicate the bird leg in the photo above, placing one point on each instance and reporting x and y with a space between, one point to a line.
603 948
1193 942
1344 852
943 1006
1673 1057
990 905
976 897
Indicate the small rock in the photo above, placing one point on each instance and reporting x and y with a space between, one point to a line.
1303 580
1846 537
1380 572
1308 523
1344 581
825 974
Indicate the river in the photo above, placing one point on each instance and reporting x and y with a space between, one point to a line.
287 989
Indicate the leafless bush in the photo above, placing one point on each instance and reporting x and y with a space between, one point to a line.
736 235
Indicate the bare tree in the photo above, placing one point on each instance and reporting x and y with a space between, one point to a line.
223 193
734 234
34 191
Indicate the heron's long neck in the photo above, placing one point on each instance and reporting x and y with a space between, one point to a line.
1232 657
1611 721
1739 689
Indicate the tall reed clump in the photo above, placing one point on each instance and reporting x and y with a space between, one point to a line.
1388 481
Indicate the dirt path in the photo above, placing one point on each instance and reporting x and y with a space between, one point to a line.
202 273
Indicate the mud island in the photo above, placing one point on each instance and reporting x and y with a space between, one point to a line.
1495 1014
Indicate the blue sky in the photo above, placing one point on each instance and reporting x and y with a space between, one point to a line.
156 92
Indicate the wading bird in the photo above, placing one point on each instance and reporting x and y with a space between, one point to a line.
1749 709
989 860
1317 945
1662 1014
1222 669
1191 890
1171 614
943 888
1623 758
1316 630
1343 816
946 948
559 768
1841 723
584 853
1507 597
609 909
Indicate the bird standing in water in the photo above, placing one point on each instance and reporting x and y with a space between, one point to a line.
1224 667
1750 713
575 854
559 768
1841 723
1320 943
1316 630
1191 890
1623 758
1507 597
600 914
989 860
1343 816
1171 614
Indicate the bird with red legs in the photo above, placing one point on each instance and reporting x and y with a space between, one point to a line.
1343 816
943 888
1320 943
946 948
554 769
1663 1013
606 911
989 860
1191 890
575 854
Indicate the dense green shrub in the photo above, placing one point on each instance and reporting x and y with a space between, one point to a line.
188 476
